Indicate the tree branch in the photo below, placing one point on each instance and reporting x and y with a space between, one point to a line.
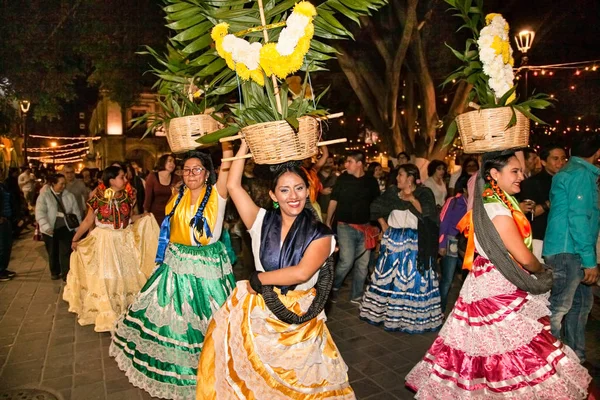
393 74
377 40
363 92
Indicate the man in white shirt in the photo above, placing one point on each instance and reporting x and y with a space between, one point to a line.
27 185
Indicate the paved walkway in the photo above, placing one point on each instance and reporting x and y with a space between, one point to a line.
42 346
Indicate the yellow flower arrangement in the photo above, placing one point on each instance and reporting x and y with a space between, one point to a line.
280 59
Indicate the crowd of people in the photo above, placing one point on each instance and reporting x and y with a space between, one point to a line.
522 226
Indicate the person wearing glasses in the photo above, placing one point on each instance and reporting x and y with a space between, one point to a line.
157 342
110 266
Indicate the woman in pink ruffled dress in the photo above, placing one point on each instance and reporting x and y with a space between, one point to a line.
496 343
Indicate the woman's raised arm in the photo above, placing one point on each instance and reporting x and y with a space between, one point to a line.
224 170
246 207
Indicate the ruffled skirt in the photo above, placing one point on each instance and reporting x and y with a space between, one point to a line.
496 344
108 270
250 354
399 296
158 341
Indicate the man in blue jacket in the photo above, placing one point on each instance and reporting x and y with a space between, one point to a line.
570 242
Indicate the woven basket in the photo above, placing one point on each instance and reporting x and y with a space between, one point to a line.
182 132
485 130
276 142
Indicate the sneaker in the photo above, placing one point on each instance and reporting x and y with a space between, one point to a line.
4 277
356 301
11 273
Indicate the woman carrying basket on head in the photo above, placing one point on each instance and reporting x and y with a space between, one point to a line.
269 340
159 339
496 343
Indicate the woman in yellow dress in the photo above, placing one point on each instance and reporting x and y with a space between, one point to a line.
110 266
269 340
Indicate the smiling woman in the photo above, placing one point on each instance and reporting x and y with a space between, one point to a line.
270 336
501 315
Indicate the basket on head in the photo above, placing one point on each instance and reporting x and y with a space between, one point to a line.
485 130
276 142
182 132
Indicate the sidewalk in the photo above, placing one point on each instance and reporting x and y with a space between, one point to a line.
42 346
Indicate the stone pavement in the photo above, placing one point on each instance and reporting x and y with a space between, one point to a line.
42 346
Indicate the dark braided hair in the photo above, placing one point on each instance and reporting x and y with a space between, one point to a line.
294 167
198 220
206 163
497 160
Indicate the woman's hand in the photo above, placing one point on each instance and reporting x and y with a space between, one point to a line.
74 245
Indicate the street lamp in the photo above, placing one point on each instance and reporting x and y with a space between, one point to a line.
524 42
25 104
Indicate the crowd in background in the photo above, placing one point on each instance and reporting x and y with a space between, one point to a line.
400 230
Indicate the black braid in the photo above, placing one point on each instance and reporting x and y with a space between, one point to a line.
323 288
179 196
197 221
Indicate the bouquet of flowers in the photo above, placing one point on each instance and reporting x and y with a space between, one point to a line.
262 98
488 66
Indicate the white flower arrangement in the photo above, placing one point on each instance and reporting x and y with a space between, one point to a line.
489 66
249 60
495 54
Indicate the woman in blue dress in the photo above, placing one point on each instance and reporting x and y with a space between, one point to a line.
404 291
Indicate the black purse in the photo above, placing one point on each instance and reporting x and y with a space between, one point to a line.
70 219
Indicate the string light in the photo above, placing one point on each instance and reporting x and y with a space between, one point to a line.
65 138
61 152
82 142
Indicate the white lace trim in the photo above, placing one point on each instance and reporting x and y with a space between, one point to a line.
500 337
155 388
570 381
489 284
154 350
200 266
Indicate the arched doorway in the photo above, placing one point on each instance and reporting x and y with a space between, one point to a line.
142 157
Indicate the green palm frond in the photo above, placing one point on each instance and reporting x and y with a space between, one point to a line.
192 21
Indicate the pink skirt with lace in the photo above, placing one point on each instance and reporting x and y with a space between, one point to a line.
496 344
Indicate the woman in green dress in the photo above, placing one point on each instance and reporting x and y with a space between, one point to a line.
158 341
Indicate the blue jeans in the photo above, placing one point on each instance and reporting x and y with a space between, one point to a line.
571 300
352 254
448 267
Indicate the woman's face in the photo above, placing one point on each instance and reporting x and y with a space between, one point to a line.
402 159
471 167
119 182
194 173
403 180
59 186
291 193
510 176
170 164
378 172
440 171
